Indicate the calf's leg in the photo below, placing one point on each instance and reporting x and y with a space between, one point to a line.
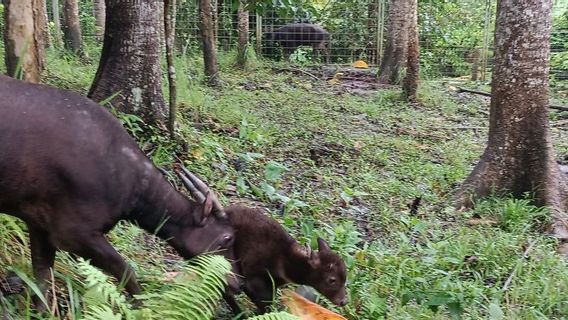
261 293
230 299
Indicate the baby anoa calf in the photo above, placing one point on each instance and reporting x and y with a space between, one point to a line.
268 257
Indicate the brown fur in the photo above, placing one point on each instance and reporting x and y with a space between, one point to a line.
70 171
268 257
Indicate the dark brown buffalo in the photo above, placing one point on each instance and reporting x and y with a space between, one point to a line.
70 171
292 36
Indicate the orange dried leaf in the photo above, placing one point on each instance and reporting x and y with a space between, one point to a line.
360 64
307 310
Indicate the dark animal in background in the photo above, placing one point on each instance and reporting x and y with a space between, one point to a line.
70 171
292 36
268 257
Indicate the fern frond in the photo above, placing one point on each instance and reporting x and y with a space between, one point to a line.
196 299
102 297
276 316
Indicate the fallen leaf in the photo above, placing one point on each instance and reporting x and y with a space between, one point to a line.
360 64
307 310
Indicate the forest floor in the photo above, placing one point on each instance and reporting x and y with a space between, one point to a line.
339 157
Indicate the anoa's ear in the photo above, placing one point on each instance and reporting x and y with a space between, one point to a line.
323 246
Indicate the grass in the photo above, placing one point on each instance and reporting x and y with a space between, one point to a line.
345 167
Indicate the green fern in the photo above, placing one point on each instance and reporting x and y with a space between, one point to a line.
192 299
197 299
102 299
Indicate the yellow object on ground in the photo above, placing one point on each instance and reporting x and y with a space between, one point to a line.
305 309
360 64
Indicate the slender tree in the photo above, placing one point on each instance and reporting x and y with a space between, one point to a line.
396 49
56 23
372 21
71 26
24 39
40 20
169 29
100 17
208 39
410 85
129 69
519 156
243 30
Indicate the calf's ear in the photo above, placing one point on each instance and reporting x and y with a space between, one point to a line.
323 246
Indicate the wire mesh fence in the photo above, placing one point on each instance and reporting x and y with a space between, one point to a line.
456 38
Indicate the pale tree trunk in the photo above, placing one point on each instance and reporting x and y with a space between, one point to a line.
410 85
100 16
396 49
56 23
519 156
129 69
23 42
243 29
208 39
169 29
71 26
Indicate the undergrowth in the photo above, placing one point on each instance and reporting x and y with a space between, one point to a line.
345 167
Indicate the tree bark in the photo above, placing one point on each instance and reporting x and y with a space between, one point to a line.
71 26
56 23
100 17
243 29
208 39
40 19
396 49
519 156
169 29
475 54
129 69
410 86
23 40
372 21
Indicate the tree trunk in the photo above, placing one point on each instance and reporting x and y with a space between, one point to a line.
169 29
475 55
396 49
100 17
243 28
23 42
40 18
129 69
372 21
208 38
71 26
56 23
410 86
519 156
215 19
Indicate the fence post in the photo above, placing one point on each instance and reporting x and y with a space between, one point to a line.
258 35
